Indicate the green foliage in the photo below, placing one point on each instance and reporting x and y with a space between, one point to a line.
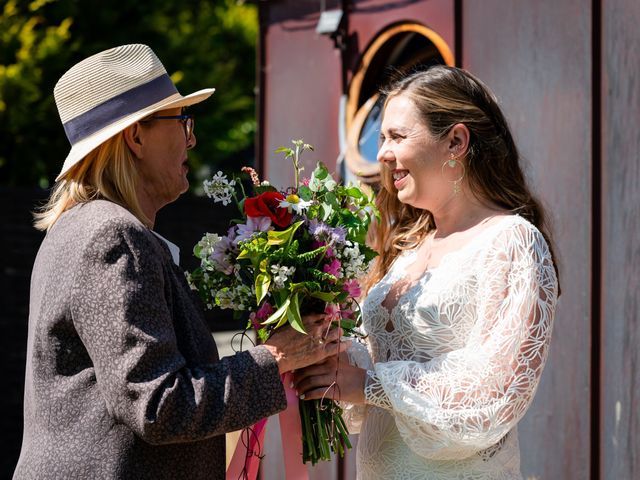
201 43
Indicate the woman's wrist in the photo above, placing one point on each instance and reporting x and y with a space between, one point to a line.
278 356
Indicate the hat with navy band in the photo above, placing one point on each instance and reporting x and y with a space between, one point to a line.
105 93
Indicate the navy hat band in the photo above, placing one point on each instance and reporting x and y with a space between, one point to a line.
118 107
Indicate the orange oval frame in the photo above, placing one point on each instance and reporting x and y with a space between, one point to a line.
356 116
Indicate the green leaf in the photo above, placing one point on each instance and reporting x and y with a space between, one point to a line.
320 172
263 266
330 184
293 314
279 313
327 211
332 200
305 193
262 283
260 189
287 151
324 296
281 237
355 192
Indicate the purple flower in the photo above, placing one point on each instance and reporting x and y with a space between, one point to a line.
253 225
339 234
323 232
223 254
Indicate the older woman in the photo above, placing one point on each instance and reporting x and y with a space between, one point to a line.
462 299
123 379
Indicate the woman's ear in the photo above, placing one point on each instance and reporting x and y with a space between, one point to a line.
133 136
458 140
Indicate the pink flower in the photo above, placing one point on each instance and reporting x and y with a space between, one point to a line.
261 315
254 321
333 268
333 311
352 287
347 313
305 181
329 253
264 311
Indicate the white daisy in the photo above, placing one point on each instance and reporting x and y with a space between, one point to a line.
294 203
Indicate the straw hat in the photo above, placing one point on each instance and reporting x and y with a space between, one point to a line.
105 93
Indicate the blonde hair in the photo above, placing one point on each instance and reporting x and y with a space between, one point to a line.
446 96
108 172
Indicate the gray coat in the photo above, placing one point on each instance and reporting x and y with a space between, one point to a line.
123 378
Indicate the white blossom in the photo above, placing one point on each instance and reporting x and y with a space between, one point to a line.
237 298
219 188
281 274
294 203
353 262
207 245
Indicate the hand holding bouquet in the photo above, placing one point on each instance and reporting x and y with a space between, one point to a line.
301 250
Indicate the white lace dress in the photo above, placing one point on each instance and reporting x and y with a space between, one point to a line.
450 381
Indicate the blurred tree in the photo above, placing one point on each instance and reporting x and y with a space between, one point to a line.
201 43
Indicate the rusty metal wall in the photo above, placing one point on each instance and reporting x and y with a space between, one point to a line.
538 63
566 74
368 17
301 86
620 413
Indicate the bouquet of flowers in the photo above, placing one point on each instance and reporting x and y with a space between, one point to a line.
296 251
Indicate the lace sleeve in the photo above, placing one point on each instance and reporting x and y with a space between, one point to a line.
466 400
354 414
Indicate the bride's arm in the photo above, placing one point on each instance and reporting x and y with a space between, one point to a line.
466 400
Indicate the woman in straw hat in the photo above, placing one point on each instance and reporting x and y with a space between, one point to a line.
123 379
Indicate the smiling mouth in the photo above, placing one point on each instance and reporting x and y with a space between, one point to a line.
399 175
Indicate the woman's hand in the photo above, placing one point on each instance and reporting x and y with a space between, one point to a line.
293 350
333 378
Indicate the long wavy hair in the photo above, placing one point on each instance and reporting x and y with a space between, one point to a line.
108 172
446 96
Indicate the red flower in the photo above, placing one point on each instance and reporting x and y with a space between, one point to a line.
267 204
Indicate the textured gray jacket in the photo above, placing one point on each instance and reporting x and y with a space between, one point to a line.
123 378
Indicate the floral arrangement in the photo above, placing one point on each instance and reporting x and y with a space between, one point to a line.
295 251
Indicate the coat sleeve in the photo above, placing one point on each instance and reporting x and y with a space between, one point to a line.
466 400
121 313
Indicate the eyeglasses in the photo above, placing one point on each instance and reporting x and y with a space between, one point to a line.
186 120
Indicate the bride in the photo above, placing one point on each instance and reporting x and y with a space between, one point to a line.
461 301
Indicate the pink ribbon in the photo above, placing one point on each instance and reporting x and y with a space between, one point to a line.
246 457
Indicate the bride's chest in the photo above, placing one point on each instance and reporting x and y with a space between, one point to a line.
429 318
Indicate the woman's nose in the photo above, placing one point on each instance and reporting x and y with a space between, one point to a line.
384 154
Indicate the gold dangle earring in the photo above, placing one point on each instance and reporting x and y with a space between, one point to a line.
450 165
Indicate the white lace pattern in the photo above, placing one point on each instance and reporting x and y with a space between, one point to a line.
459 368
